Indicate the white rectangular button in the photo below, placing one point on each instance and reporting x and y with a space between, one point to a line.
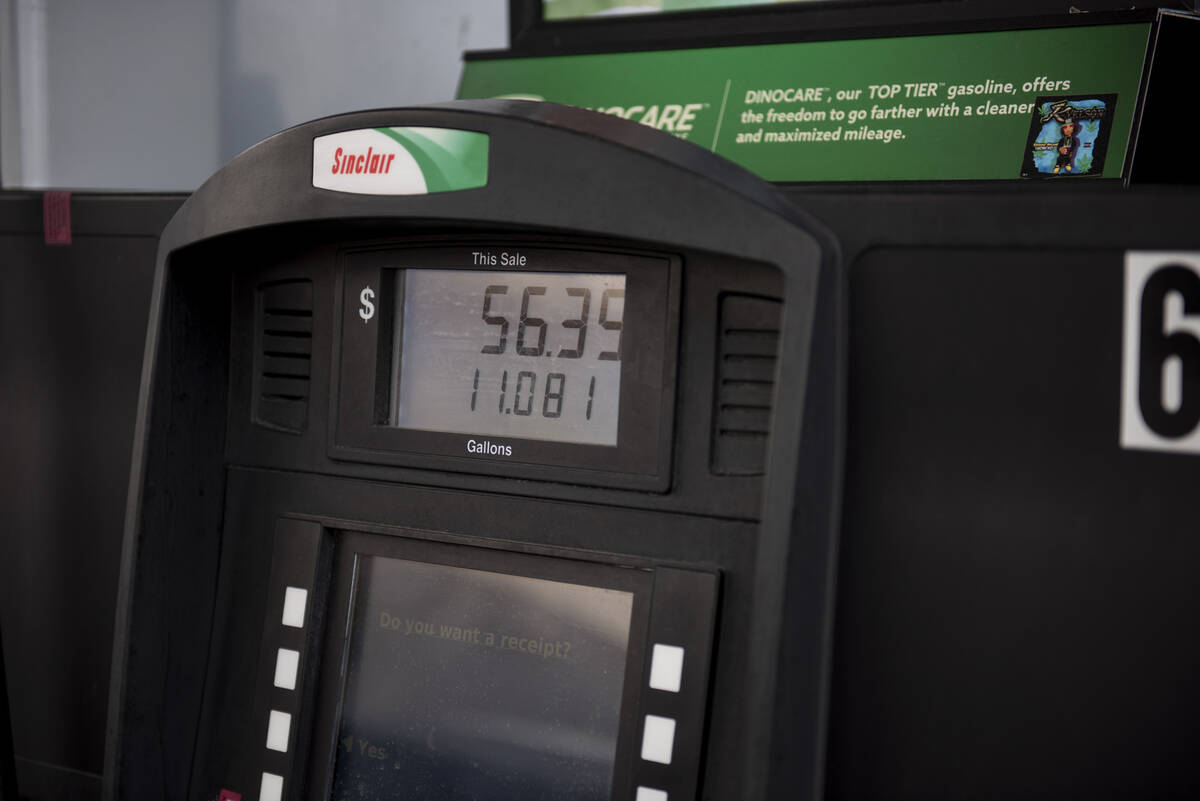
294 601
648 794
278 729
666 667
271 789
287 665
658 739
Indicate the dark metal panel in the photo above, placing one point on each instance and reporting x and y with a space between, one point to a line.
8 770
1168 111
1014 600
72 329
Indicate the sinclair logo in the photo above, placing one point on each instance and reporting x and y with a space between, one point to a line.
400 161
358 163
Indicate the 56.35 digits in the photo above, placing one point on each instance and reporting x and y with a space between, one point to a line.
577 324
526 392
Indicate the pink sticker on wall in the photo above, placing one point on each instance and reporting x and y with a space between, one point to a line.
56 217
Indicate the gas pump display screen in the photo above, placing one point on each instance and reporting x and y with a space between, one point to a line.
471 684
514 360
533 355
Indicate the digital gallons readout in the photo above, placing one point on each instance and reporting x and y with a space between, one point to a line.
507 354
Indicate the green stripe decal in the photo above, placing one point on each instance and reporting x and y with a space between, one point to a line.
450 160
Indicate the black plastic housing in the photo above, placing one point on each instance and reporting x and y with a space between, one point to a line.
216 472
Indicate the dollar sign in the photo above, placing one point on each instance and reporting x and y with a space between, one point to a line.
368 308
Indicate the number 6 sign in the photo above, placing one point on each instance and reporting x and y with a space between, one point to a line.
1160 382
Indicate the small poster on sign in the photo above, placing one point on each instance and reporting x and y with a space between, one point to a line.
1068 136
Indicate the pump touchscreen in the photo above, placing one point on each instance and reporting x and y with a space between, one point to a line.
468 684
510 354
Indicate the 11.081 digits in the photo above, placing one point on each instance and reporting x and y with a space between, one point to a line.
519 389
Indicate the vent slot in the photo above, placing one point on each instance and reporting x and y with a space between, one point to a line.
747 353
283 354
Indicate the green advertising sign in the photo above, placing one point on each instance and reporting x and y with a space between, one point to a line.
1052 103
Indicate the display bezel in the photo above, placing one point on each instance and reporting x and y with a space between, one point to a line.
362 363
353 545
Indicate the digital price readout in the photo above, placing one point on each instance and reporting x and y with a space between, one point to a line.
532 355
530 358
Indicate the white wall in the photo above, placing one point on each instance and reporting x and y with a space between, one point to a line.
323 57
158 94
